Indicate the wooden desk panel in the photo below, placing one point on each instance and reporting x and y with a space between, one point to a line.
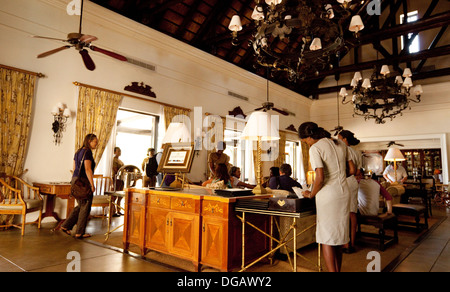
190 224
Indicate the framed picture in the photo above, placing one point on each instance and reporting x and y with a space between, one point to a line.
176 158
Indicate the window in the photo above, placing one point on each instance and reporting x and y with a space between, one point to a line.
292 152
135 132
236 151
411 17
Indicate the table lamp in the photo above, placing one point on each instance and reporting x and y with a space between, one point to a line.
260 127
394 154
177 133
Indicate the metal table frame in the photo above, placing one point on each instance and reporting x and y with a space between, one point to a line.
282 242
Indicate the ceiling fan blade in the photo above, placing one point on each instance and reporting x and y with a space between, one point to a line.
87 60
258 109
109 53
47 38
43 55
280 111
88 38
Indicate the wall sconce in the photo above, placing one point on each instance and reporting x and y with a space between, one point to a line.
60 115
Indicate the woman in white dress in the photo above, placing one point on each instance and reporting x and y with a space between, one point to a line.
329 158
349 139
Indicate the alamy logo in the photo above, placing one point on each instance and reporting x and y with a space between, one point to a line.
74 7
374 7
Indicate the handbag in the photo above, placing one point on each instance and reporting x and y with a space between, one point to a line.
80 186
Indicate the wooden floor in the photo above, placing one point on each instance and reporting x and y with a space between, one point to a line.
46 251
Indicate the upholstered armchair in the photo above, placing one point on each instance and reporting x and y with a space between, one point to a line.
17 197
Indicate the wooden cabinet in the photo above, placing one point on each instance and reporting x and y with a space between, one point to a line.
191 225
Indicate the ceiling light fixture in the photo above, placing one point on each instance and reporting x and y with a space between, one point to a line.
297 36
382 97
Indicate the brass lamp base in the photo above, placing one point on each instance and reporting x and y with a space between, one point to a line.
259 190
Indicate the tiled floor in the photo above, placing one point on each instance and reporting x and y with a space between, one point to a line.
46 251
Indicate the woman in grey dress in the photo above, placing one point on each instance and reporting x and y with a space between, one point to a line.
329 159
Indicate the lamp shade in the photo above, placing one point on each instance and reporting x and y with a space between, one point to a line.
418 90
261 124
394 154
356 24
276 2
257 14
358 76
385 70
407 73
235 24
408 82
343 92
316 44
366 84
66 112
177 133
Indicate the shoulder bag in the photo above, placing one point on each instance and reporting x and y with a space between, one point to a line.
81 187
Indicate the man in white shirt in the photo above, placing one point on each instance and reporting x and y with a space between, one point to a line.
369 197
389 174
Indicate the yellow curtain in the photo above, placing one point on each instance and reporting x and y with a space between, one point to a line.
171 112
96 113
281 150
305 156
16 100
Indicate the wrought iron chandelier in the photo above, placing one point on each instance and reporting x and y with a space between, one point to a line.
382 97
314 26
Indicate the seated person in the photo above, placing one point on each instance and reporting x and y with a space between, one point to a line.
235 174
274 171
221 173
369 196
389 174
284 181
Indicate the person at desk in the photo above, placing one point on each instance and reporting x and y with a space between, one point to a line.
118 183
235 174
369 192
150 168
80 213
284 181
389 174
215 158
273 172
329 158
221 174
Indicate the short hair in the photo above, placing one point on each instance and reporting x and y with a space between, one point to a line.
286 169
233 170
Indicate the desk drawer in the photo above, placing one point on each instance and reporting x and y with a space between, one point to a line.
183 204
159 201
137 199
215 209
46 189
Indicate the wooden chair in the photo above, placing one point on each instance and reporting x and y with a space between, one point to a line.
102 184
381 222
19 198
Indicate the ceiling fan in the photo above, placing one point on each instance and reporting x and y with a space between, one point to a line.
80 42
393 143
267 106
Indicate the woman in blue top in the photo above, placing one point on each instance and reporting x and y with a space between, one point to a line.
80 213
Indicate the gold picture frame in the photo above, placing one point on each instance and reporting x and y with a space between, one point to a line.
176 158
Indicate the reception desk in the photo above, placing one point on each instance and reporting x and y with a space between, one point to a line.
192 224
